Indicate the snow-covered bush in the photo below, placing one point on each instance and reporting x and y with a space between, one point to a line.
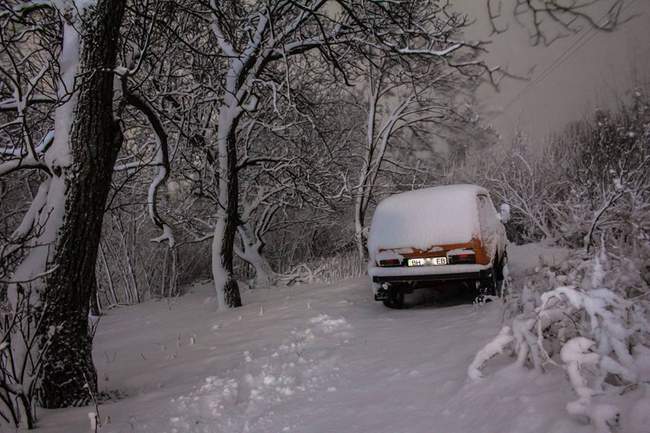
326 269
592 323
588 182
522 177
605 163
585 315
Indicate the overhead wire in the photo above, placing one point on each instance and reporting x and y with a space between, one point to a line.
580 42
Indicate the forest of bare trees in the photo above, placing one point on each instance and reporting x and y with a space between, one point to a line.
145 145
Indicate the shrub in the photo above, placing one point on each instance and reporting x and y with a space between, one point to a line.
592 323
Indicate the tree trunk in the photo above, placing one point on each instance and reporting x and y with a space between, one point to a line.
68 375
364 187
224 233
359 224
231 288
95 307
229 217
109 277
264 275
252 254
173 277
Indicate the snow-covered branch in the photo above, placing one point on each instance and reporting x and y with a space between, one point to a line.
161 161
589 331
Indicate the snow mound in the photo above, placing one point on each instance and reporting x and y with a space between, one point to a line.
328 325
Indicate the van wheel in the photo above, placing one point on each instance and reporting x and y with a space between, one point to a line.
395 299
489 286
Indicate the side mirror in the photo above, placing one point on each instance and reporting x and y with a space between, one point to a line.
504 213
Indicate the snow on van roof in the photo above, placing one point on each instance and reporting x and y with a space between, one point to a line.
425 217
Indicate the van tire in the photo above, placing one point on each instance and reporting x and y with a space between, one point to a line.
395 299
489 286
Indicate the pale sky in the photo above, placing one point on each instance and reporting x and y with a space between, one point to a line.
592 70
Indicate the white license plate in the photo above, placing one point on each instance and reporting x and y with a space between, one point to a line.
428 261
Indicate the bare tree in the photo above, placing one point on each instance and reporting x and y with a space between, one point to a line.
76 158
260 42
403 99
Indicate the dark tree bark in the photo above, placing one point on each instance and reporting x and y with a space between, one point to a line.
68 376
231 288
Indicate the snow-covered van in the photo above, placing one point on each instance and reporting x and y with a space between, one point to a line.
435 234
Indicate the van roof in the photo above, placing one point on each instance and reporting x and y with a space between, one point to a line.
438 191
426 217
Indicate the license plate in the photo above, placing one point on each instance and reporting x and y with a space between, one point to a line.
428 261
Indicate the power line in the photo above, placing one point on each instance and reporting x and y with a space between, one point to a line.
584 38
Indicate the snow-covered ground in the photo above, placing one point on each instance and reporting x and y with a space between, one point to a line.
315 359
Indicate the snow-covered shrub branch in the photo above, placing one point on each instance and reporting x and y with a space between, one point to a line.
589 329
21 364
328 270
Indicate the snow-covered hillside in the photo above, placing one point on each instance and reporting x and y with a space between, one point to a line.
316 359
